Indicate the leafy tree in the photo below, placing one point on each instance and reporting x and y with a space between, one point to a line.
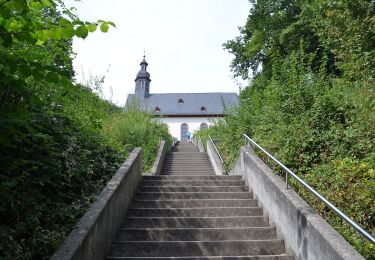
55 155
310 100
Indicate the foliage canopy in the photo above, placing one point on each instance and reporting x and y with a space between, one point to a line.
57 148
310 100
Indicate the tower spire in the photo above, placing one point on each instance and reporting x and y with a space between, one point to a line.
142 80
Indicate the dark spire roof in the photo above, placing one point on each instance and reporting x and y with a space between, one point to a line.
142 74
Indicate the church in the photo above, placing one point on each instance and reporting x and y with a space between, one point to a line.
182 112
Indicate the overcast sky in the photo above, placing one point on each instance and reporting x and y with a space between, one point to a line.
182 38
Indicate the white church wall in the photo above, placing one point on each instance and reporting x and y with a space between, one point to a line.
194 123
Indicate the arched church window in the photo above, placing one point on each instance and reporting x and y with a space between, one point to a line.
184 131
203 108
180 101
204 126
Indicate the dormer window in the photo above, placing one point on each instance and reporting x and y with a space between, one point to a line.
203 108
180 101
157 109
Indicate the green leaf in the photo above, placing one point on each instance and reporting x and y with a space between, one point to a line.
78 22
55 33
52 77
64 22
68 33
91 27
82 32
42 35
20 5
7 40
104 27
112 23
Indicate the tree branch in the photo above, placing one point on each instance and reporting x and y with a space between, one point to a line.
3 3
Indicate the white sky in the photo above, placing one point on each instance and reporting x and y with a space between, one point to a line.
183 42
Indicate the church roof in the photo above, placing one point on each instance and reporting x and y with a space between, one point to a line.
185 104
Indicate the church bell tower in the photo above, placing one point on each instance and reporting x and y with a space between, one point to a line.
142 81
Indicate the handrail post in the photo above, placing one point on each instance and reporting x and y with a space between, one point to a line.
286 179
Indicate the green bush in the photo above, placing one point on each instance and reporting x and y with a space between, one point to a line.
55 155
131 128
310 101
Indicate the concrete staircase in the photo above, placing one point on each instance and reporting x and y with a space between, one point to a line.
189 213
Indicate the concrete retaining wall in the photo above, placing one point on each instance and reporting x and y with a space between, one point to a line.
306 234
93 234
158 164
215 159
200 145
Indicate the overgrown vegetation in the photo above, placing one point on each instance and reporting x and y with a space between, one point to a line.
311 100
60 143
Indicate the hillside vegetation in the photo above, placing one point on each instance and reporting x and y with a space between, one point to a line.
60 143
310 100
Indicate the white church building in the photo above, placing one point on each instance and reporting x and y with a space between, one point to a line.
182 112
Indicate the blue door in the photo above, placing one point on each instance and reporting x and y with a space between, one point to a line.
184 130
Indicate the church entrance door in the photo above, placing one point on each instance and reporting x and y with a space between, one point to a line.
184 130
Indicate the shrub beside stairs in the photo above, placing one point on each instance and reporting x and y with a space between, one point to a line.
188 212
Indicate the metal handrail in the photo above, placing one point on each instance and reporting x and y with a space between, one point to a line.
201 143
221 159
309 188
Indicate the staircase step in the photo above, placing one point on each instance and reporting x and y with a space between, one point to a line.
189 173
192 188
197 248
187 167
191 170
195 212
189 177
195 222
254 257
188 212
196 234
185 156
187 159
193 195
197 203
194 183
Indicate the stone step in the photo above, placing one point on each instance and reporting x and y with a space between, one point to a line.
187 165
189 177
192 195
197 248
181 171
254 257
195 212
180 155
196 234
200 158
187 169
197 203
198 161
195 222
186 149
192 188
188 173
194 183
186 159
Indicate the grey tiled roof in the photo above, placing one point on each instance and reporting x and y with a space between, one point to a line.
214 103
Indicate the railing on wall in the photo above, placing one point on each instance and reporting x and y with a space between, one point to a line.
288 173
217 152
